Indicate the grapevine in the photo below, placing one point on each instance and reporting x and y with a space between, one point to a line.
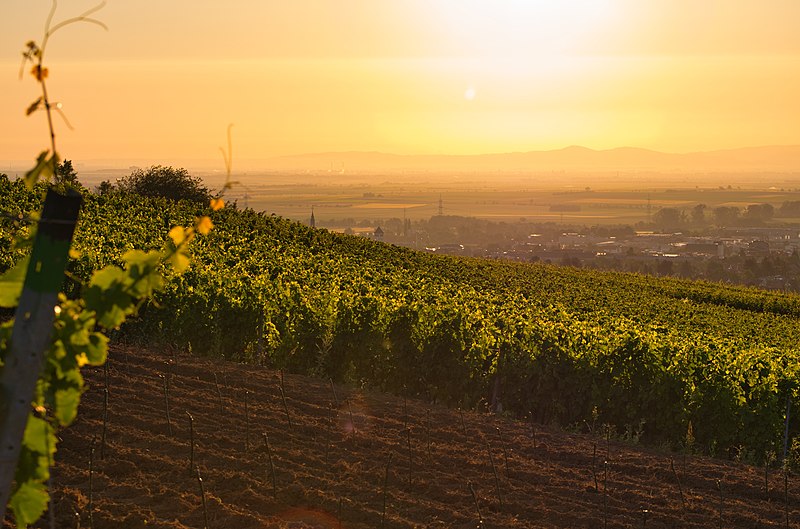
111 294
577 345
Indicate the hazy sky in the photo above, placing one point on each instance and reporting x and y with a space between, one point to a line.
404 76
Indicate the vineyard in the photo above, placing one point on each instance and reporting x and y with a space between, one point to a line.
288 451
654 359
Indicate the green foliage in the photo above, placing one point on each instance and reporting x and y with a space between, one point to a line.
637 349
112 294
567 345
66 177
75 342
43 169
29 503
165 182
105 187
66 173
11 284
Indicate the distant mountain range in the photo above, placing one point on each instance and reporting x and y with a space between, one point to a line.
575 158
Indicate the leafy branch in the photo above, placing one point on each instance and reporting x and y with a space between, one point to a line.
47 161
112 294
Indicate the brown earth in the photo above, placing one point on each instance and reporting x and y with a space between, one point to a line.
330 463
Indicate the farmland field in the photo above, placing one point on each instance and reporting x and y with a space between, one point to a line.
601 201
603 198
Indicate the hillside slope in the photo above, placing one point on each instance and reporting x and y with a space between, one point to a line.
329 471
563 345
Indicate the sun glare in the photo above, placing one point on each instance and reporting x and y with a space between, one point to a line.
523 28
413 76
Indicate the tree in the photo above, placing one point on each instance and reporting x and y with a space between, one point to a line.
685 269
66 173
759 213
668 218
714 270
790 208
726 215
166 182
698 215
665 267
105 188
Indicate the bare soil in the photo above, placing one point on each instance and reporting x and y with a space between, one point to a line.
330 456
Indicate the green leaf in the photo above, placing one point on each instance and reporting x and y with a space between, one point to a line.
106 296
66 409
29 503
11 283
97 349
108 277
42 169
31 466
112 315
142 268
142 259
74 377
179 261
39 436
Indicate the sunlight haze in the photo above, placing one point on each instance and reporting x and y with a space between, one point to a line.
403 77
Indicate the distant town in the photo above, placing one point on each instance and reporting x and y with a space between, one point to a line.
752 252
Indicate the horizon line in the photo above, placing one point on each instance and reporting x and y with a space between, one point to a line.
443 154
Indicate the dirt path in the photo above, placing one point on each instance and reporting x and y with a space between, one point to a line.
330 463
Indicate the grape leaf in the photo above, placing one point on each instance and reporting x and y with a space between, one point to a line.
28 503
97 349
106 296
42 169
39 436
66 408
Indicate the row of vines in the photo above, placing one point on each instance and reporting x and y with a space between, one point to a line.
560 345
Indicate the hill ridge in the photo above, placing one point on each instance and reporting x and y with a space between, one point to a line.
574 157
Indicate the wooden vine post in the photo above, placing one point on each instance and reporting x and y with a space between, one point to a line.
33 326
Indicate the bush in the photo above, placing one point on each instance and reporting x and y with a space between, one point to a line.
166 182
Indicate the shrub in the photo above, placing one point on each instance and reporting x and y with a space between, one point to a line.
166 182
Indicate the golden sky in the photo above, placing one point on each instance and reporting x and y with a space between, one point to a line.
403 76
